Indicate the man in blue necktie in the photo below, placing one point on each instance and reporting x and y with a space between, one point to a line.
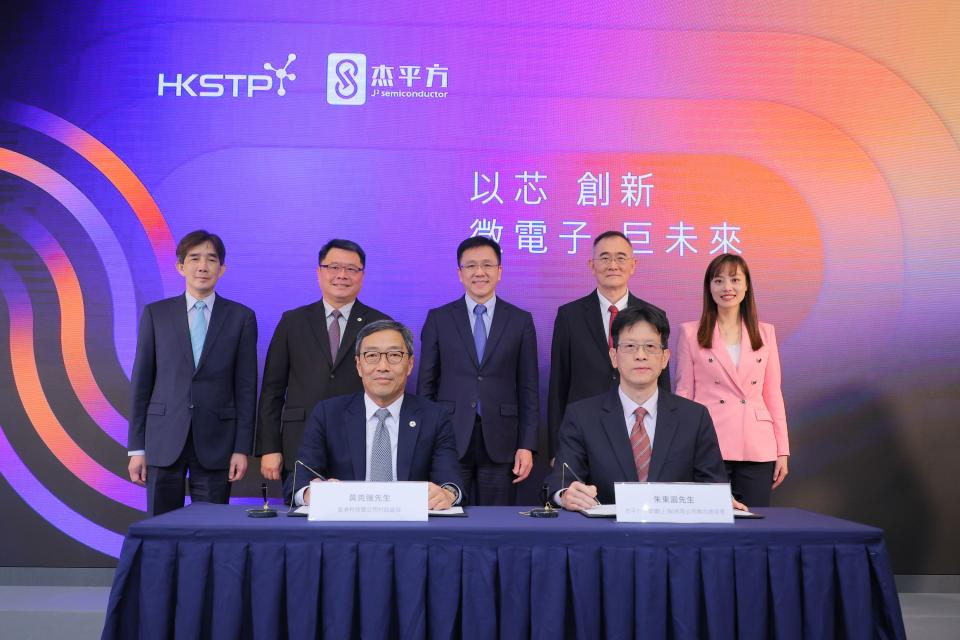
479 359
194 386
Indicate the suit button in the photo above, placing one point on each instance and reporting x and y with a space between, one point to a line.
709 359
743 402
332 376
722 401
473 405
716 382
759 359
190 406
754 382
480 378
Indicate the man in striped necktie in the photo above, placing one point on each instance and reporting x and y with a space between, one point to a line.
637 432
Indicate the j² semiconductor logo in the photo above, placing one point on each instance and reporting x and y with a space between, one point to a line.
234 85
346 78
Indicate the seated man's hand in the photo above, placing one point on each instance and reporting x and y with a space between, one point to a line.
579 496
306 494
739 505
439 498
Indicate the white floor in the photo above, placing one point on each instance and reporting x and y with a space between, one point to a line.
40 613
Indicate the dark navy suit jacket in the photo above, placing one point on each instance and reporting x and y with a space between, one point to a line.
595 444
217 399
334 443
580 359
505 383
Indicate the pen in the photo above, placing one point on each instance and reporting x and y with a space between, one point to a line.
574 473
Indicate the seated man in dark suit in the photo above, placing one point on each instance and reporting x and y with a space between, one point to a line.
636 432
382 434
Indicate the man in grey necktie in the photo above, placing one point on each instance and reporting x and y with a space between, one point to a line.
382 434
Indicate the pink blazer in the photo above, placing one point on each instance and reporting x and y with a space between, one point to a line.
745 402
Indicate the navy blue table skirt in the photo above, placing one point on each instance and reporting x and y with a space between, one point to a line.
208 571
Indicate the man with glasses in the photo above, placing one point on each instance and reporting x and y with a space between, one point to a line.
637 432
309 358
579 360
382 434
478 358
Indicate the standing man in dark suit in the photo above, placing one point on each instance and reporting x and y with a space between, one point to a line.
194 386
478 357
310 357
382 434
579 356
636 432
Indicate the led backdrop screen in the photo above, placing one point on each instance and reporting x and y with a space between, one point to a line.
818 139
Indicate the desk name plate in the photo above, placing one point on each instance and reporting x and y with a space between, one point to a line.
368 501
676 502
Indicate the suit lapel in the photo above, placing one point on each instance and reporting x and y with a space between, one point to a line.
593 321
461 320
501 319
408 433
719 350
220 310
317 319
354 322
663 436
356 424
178 311
748 359
614 425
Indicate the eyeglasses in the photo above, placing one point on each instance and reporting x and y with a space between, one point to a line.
606 261
471 267
349 269
629 348
393 357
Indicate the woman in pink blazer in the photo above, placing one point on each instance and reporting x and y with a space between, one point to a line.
729 362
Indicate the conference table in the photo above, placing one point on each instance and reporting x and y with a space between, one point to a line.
208 571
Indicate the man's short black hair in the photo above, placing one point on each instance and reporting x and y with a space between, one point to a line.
642 313
195 239
345 245
479 241
610 234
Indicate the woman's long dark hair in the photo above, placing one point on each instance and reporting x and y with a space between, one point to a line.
748 308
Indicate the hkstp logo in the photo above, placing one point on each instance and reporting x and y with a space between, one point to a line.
347 78
216 85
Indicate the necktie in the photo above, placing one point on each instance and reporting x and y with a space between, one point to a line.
640 442
381 454
479 331
198 331
334 332
613 316
479 337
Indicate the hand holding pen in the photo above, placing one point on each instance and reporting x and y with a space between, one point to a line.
578 496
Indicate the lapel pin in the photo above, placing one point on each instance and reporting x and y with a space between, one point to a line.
413 423
359 319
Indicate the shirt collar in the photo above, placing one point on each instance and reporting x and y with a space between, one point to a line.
629 406
620 304
489 304
344 310
372 407
209 300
